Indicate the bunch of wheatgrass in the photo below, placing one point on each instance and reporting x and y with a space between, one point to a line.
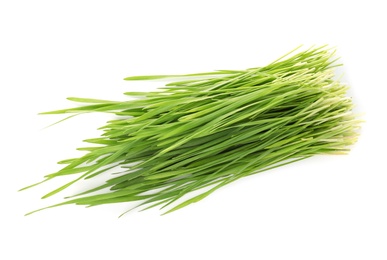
210 129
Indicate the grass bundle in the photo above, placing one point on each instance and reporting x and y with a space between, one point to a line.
204 131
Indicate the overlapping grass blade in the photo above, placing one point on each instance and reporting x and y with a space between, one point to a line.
206 130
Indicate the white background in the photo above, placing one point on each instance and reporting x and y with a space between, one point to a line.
328 207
